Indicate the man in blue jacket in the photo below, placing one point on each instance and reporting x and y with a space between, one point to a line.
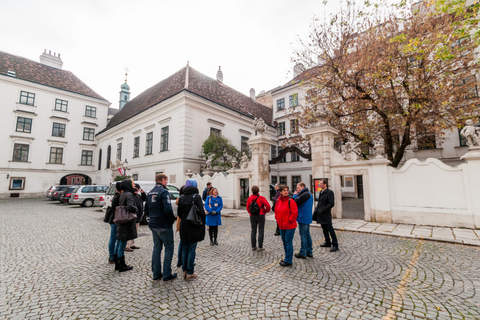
304 201
160 211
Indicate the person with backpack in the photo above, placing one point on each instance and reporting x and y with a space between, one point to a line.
257 207
213 206
286 213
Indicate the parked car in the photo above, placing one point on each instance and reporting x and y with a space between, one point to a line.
50 191
58 192
99 201
65 197
85 195
146 186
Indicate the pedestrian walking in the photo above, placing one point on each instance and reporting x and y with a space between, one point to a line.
160 211
304 200
286 213
190 233
125 231
323 215
213 208
109 216
140 198
257 207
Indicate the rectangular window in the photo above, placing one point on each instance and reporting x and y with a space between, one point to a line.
284 158
293 100
295 156
58 130
149 143
90 111
273 152
20 152
24 124
281 129
88 134
27 98
244 146
294 126
56 155
164 139
136 147
87 157
215 132
280 104
119 151
135 177
17 183
295 181
426 141
283 180
274 180
61 105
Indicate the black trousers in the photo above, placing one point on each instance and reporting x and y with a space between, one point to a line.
328 232
213 232
257 221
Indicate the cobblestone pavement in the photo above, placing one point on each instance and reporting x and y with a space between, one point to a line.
53 261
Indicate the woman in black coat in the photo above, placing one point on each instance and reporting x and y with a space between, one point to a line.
126 231
189 233
109 216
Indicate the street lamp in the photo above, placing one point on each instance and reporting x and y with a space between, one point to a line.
125 164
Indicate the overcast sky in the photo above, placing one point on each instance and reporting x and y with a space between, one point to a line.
252 41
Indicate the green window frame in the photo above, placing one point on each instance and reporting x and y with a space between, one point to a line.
284 159
90 111
56 155
149 144
27 98
136 147
215 132
281 129
24 125
58 130
119 151
294 126
164 139
61 105
20 152
88 134
293 100
87 157
281 104
244 147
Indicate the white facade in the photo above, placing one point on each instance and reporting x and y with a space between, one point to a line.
189 119
36 168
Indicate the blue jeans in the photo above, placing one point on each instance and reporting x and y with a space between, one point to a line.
287 239
120 248
306 239
188 257
113 240
162 237
179 254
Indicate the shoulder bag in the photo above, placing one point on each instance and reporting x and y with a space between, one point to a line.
192 216
122 215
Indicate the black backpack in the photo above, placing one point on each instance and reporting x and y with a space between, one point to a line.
254 208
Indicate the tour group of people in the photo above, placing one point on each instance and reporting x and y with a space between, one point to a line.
195 212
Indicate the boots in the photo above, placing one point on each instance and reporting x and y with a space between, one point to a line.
210 233
122 265
117 263
215 234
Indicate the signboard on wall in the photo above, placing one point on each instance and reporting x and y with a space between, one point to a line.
316 187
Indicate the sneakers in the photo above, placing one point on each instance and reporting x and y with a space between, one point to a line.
325 245
261 249
191 277
299 256
170 277
285 264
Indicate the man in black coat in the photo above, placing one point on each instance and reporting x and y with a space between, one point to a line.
323 215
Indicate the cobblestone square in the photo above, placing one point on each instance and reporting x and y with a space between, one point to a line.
53 263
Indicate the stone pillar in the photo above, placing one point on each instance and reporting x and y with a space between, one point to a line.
259 163
321 142
472 159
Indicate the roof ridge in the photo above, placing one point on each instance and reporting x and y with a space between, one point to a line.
187 74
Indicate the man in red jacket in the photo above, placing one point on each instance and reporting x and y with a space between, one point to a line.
257 217
286 213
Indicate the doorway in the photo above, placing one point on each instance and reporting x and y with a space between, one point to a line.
244 192
353 206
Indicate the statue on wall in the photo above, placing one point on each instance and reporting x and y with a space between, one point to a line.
316 116
244 161
350 150
259 125
208 164
471 133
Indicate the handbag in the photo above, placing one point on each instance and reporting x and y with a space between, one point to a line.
192 216
213 212
122 215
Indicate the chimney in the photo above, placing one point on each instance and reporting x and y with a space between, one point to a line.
51 60
219 75
252 93
298 69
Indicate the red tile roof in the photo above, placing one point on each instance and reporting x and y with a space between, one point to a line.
198 84
29 70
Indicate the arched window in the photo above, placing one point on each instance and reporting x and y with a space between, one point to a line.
109 152
100 160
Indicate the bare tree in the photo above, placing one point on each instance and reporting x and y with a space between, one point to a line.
393 72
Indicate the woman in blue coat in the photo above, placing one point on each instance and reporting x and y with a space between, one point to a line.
213 206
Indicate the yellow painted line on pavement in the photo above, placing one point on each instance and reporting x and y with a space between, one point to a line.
403 283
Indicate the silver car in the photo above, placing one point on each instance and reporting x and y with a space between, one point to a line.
85 195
